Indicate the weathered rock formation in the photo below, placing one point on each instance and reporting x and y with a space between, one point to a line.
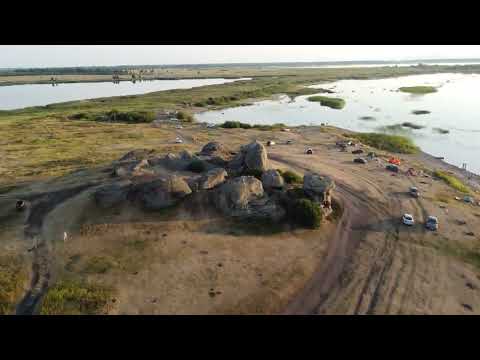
271 179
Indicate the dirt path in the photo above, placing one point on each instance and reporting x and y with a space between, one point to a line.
41 269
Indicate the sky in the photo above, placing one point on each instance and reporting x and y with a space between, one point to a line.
106 55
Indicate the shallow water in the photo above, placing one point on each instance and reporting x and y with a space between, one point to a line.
20 96
455 107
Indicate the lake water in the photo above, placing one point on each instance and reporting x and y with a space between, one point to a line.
455 107
21 96
360 65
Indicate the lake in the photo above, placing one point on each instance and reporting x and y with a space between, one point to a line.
21 96
455 107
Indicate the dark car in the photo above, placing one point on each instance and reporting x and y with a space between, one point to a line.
360 161
359 151
414 192
432 223
391 167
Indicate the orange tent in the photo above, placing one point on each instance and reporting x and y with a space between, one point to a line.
394 161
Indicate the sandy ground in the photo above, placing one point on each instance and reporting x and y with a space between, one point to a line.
193 262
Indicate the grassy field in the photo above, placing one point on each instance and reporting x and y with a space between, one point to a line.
452 181
55 139
392 143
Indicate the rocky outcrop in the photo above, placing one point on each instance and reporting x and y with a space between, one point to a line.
137 155
209 180
256 157
132 169
233 197
215 153
318 188
112 195
213 148
251 157
271 179
161 193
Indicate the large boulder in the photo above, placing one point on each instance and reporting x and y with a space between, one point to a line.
256 157
318 187
233 197
251 157
213 148
137 155
162 193
215 153
209 180
112 195
132 169
271 179
266 208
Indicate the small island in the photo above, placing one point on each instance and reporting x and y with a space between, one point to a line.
420 112
334 103
418 89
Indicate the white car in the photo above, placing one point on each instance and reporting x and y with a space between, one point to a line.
179 127
178 141
407 219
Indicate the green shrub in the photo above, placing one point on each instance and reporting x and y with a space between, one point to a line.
238 125
291 177
452 181
75 298
133 117
235 125
392 143
197 166
306 213
79 116
185 116
251 172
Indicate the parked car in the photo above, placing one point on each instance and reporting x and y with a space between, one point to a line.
469 200
407 219
360 161
178 141
414 192
391 167
309 151
359 151
432 223
289 142
270 143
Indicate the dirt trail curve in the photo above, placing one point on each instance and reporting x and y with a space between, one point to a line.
40 207
367 215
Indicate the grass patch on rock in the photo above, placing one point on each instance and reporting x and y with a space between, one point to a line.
452 181
196 166
334 103
393 143
290 177
418 89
